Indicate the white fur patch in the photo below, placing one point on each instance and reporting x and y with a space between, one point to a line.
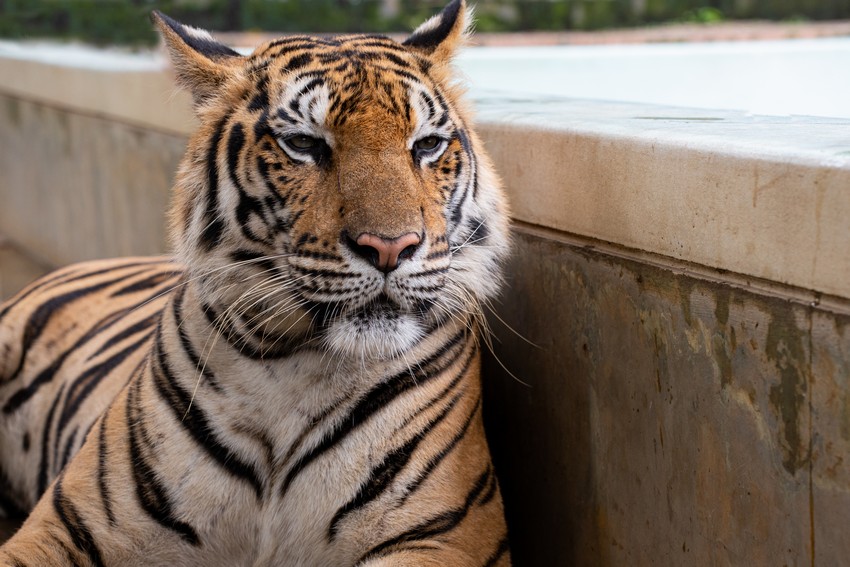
378 338
197 33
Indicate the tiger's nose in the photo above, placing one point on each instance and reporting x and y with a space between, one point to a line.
386 253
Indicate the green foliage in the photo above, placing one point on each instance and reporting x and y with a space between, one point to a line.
127 22
92 20
703 15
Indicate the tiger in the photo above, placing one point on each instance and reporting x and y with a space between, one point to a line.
299 382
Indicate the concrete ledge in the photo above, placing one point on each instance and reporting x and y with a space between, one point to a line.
134 88
765 197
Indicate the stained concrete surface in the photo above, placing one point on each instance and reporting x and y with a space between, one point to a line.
17 269
76 186
667 419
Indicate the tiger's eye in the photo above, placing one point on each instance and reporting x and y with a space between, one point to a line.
301 142
427 144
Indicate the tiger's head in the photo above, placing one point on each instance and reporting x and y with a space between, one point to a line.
335 189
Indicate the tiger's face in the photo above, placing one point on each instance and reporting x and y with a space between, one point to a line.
334 189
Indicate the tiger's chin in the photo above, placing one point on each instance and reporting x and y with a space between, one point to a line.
377 333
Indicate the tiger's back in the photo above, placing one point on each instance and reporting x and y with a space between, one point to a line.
302 386
68 343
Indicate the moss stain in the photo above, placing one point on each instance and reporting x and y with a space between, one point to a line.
785 347
723 342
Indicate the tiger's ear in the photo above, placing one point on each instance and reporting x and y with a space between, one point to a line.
200 62
440 36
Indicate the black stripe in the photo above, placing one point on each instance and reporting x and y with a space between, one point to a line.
102 454
133 329
253 258
377 398
491 490
291 43
433 527
280 346
393 58
261 99
58 275
81 537
299 61
381 42
382 476
146 283
321 273
501 550
84 385
248 204
188 413
276 201
446 391
406 78
295 103
429 102
41 479
473 161
186 342
152 495
480 232
470 155
213 225
430 272
69 446
318 255
434 461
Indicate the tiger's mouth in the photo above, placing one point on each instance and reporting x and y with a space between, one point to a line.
385 307
382 307
379 328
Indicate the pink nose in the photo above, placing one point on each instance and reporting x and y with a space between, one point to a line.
385 253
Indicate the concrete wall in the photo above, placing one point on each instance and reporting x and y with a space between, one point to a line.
78 186
673 348
665 417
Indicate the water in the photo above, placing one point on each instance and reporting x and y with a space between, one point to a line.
779 78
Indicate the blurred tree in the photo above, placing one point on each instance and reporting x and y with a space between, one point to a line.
126 21
233 15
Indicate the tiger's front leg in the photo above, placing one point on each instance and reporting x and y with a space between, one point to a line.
134 495
59 532
75 521
70 525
